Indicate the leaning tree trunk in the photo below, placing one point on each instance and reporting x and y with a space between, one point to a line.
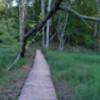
22 22
40 25
48 26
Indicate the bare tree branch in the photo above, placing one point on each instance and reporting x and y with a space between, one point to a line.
52 37
70 10
42 23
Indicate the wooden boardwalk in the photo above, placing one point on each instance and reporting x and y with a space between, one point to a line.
38 85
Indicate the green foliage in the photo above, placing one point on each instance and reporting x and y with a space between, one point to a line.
85 7
31 23
3 6
8 32
76 30
89 41
7 55
79 71
11 80
79 33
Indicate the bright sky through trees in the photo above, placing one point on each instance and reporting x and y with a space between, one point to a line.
14 3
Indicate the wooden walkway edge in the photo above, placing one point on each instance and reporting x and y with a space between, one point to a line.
39 85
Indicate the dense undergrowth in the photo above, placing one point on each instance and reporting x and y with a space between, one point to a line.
76 75
7 57
11 81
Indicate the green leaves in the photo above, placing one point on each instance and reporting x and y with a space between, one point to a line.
3 6
8 31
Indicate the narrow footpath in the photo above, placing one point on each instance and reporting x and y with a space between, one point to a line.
39 85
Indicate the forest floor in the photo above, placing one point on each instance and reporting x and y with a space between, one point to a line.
12 82
76 75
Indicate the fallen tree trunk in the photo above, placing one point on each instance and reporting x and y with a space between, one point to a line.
74 12
56 7
39 26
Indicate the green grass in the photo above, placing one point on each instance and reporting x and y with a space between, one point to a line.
11 81
80 72
7 56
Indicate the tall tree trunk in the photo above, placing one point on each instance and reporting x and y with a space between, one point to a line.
61 33
48 26
22 22
43 15
96 23
95 29
61 42
40 25
97 26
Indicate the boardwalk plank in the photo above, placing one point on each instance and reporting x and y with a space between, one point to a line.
39 85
